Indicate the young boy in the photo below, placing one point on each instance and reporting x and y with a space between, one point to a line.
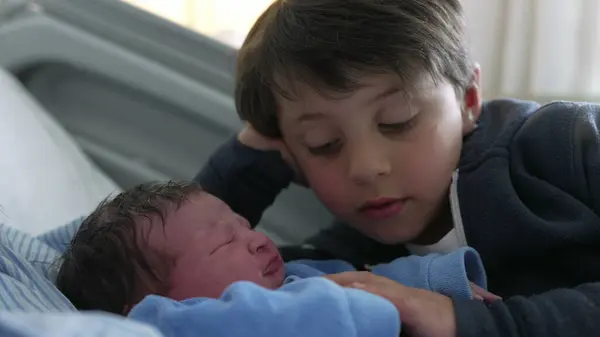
186 246
377 105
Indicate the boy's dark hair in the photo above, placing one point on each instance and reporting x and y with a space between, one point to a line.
328 43
105 268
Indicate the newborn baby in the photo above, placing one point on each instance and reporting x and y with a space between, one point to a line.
174 242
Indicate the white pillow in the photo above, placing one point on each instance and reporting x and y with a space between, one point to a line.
45 179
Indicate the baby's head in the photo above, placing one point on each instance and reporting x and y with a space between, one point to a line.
372 99
170 239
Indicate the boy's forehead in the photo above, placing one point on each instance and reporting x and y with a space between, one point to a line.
308 101
294 83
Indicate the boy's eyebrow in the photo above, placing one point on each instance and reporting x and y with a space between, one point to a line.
309 116
384 94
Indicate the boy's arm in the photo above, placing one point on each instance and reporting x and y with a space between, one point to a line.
558 313
312 307
561 144
448 274
248 180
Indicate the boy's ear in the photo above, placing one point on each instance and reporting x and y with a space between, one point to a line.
472 102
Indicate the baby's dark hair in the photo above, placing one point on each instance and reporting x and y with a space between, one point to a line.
328 43
106 266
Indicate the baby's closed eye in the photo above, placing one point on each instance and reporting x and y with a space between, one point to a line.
223 244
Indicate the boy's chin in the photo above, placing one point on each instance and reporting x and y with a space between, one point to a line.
393 234
413 230
395 240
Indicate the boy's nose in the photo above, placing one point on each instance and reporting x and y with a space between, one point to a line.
258 243
367 163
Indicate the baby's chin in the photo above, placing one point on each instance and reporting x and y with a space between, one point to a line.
275 281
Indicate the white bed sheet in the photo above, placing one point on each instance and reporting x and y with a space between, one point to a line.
45 179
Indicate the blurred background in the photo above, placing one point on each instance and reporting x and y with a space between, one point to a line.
537 49
100 95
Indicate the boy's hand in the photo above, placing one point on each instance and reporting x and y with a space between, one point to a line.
482 294
251 138
423 313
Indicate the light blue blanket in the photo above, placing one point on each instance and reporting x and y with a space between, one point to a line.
312 306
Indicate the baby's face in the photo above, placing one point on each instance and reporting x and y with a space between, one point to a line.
212 247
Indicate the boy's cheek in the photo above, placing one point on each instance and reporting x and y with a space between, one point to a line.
331 189
327 180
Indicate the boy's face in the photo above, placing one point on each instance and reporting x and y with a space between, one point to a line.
212 247
379 159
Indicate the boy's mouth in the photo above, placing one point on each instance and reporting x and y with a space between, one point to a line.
382 208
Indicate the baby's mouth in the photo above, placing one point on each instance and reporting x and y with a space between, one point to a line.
273 266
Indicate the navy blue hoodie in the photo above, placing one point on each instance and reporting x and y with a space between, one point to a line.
529 195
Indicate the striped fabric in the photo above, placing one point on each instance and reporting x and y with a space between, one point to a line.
30 305
69 324
27 267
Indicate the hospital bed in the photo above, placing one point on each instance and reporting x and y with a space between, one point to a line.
96 96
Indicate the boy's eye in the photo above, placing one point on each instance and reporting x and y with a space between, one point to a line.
398 127
325 149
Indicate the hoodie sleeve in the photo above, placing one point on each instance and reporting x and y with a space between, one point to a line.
248 180
313 307
449 274
558 313
560 143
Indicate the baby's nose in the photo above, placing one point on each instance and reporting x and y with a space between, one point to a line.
258 243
